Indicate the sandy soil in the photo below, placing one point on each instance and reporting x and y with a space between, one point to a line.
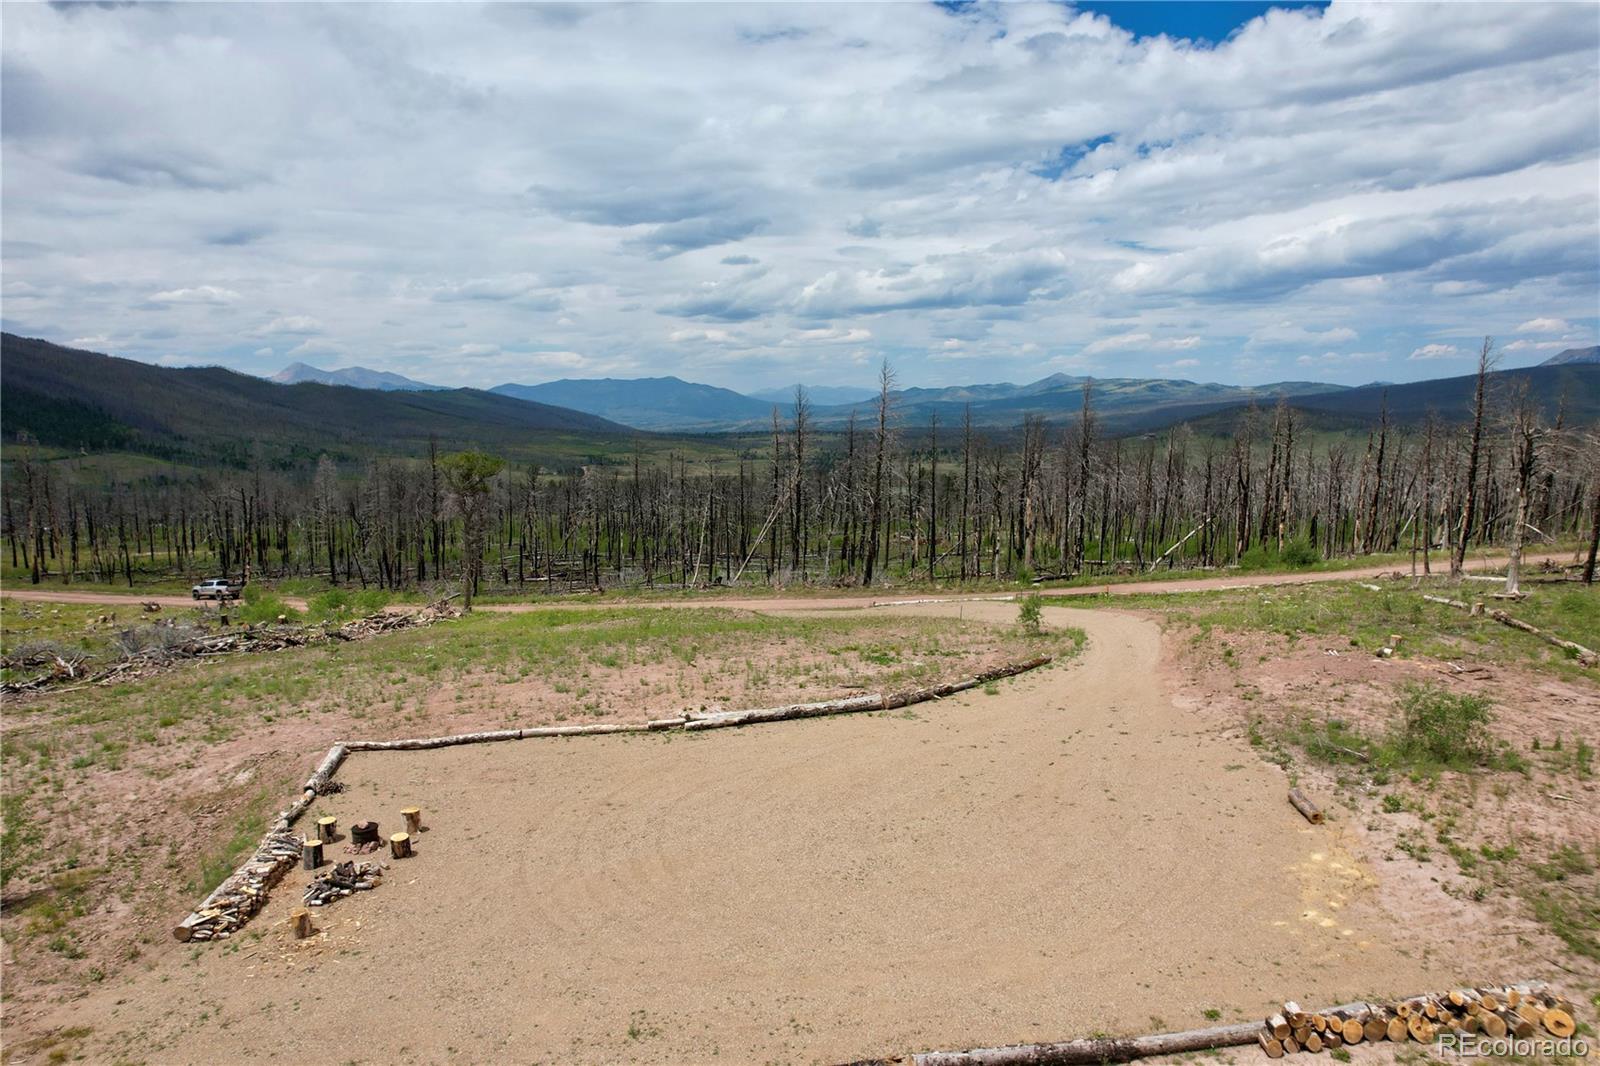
112 846
1074 854
1537 811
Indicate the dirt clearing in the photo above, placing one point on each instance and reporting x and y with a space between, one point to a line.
1065 855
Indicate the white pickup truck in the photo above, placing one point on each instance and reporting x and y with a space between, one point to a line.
216 588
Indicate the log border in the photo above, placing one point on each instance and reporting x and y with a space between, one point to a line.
1095 1050
244 892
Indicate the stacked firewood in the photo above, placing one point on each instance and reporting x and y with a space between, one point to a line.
343 879
1518 1011
244 892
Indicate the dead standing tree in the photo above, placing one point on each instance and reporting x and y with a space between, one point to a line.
1525 438
468 475
1486 361
880 449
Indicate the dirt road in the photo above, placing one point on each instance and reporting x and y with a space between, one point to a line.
1071 854
1480 562
1126 588
117 599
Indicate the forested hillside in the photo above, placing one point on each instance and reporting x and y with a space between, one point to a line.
893 496
207 415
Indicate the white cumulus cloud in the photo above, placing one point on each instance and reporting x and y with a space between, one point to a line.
1435 351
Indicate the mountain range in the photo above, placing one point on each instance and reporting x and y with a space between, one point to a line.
1590 354
657 404
358 377
672 405
89 402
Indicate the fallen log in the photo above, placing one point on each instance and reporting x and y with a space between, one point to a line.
1586 656
857 704
417 743
1095 1050
1303 804
325 769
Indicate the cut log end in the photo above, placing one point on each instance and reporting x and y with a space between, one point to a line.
300 922
400 845
413 817
311 854
1312 812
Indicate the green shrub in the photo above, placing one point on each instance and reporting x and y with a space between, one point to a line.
1445 727
264 606
341 604
1295 553
1301 553
1028 613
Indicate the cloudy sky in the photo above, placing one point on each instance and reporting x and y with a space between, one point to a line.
752 195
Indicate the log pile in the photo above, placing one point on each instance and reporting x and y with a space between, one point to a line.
205 645
59 669
244 892
1518 1010
1514 1010
341 881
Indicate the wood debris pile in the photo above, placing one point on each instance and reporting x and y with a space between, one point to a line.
202 644
343 879
239 897
1517 1011
58 668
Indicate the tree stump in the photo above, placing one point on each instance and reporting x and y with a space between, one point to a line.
327 829
364 833
300 919
413 817
400 845
311 854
